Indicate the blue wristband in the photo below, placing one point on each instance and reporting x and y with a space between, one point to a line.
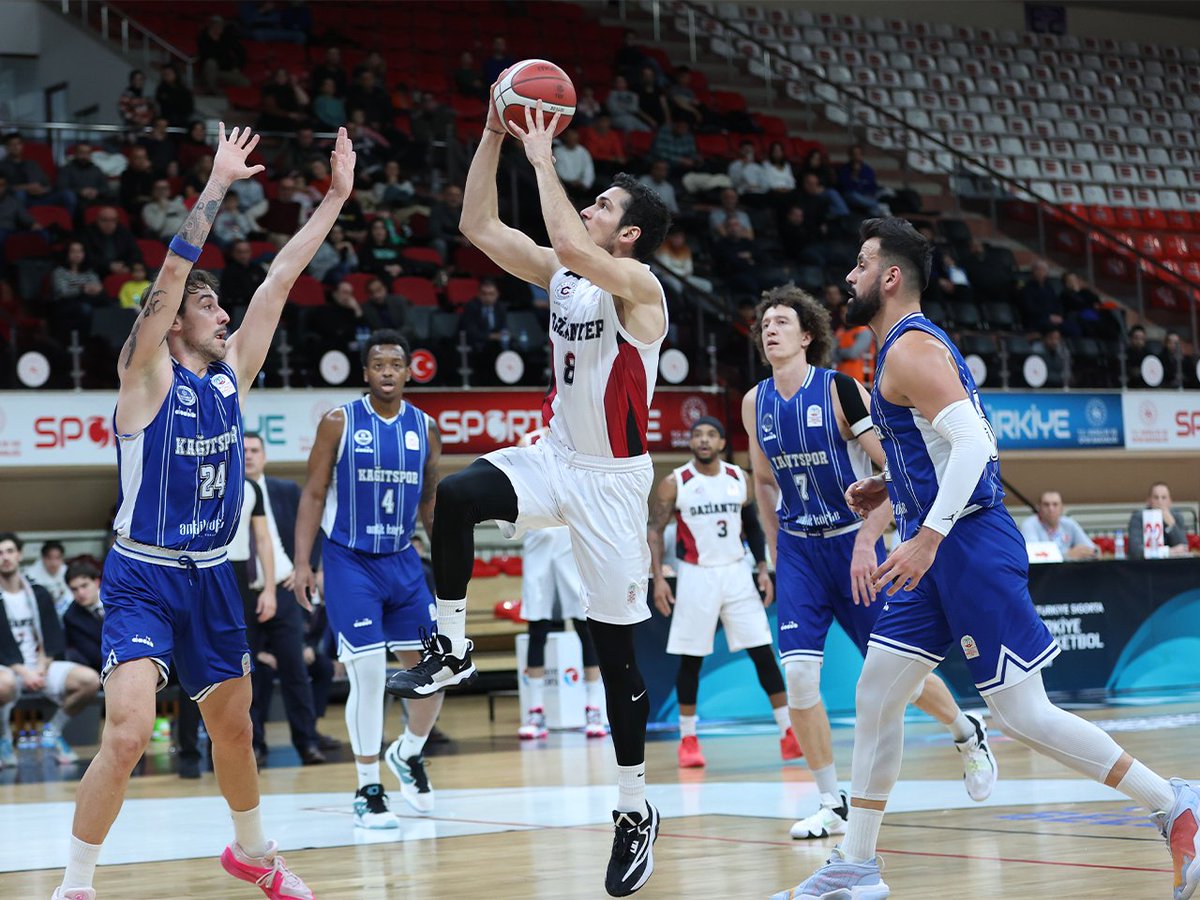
180 247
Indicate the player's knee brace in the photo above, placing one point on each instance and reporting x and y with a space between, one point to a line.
364 708
769 677
535 656
687 680
625 691
803 683
887 683
590 658
477 493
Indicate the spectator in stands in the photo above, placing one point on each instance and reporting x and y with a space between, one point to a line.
241 276
131 292
137 181
374 63
656 179
468 82
801 240
136 109
1135 352
729 210
991 280
298 153
33 646
372 98
497 62
174 99
1051 525
193 146
852 344
1054 351
1083 312
625 108
110 246
231 223
819 206
252 199
328 108
26 179
948 283
605 146
82 179
271 21
13 216
856 183
384 309
284 103
587 107
748 176
675 143
77 291
335 258
1041 307
195 178
159 146
682 101
630 58
652 101
816 164
574 166
484 319
221 56
444 217
380 255
1173 361
50 571
1174 535
432 121
335 325
675 260
778 174
83 616
164 214
330 67
292 189
737 257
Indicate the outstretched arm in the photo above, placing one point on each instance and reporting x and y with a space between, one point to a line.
662 505
249 345
480 222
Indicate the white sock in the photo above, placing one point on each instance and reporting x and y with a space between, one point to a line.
1150 790
631 789
368 773
411 744
595 693
962 728
862 834
248 832
60 720
452 623
687 726
826 779
537 692
81 864
783 720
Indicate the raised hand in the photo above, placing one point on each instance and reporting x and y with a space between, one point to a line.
538 134
341 165
493 121
232 151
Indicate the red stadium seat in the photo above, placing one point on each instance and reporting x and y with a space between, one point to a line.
714 146
639 142
1154 219
475 262
153 252
113 283
42 155
1178 219
1127 217
23 245
307 291
419 291
1104 216
46 216
422 255
461 290
249 98
211 257
93 212
359 281
260 249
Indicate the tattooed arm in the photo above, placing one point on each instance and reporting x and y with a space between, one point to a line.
143 366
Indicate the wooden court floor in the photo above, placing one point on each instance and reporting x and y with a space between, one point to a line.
1038 846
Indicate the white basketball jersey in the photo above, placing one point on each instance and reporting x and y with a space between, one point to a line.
603 377
708 515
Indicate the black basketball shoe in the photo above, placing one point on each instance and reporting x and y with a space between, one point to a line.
632 860
438 669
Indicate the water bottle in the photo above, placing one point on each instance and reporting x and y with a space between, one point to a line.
523 340
1119 544
504 339
27 741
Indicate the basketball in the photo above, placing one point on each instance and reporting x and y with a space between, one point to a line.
529 81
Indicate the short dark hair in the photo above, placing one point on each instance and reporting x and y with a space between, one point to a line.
813 316
385 337
254 436
646 210
199 279
12 536
1137 328
83 568
900 244
53 545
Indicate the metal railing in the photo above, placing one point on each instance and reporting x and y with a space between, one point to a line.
117 28
777 67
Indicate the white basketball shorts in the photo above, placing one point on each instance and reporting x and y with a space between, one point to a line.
706 594
604 503
550 586
55 688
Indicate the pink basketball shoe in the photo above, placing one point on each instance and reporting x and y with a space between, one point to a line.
74 894
270 873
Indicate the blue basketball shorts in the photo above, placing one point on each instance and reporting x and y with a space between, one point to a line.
812 588
174 608
975 594
376 601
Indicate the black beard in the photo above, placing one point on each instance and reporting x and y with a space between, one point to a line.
706 457
863 307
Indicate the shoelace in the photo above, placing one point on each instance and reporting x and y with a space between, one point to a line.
431 655
626 837
279 867
416 768
377 803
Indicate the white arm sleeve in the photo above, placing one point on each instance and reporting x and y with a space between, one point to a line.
970 449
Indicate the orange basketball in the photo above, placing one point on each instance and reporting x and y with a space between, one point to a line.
529 81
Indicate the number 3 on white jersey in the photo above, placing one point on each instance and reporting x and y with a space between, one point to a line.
389 501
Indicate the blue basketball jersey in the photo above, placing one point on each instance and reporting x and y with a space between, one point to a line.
182 475
813 464
372 501
916 454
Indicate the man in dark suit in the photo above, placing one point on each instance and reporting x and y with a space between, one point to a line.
484 321
281 638
383 309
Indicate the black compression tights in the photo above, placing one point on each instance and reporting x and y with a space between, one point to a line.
478 493
769 675
628 705
538 632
